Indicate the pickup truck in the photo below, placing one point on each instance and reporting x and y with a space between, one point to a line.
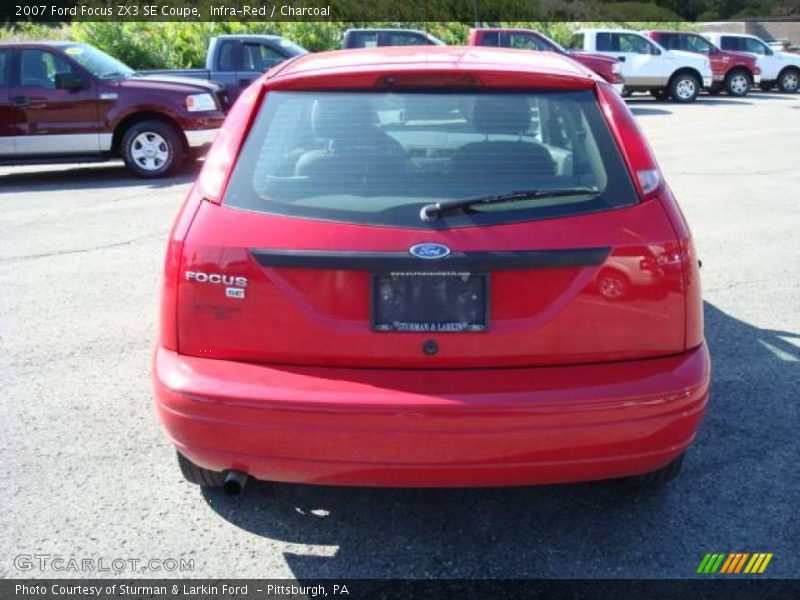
735 72
64 102
527 39
648 66
371 38
776 66
235 61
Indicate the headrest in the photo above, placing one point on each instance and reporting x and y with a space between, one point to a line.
509 114
341 117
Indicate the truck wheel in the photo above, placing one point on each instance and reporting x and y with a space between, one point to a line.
198 475
789 81
658 477
737 83
766 85
684 87
152 149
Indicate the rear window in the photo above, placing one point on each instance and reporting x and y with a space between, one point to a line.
378 158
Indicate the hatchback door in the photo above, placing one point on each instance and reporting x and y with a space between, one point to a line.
318 254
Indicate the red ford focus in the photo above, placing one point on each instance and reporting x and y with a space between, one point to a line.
430 266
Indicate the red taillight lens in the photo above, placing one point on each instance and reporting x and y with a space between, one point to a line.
168 331
222 156
634 147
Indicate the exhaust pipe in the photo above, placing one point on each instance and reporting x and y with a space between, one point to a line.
234 482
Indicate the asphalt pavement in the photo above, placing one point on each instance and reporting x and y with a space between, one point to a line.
87 471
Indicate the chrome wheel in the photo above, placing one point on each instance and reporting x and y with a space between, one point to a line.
686 89
790 82
739 84
149 151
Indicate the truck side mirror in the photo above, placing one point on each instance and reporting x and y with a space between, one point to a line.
68 81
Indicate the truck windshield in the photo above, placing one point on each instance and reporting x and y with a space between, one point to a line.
98 63
379 158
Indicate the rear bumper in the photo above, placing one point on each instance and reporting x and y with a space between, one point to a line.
432 428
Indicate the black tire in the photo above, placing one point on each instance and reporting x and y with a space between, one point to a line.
766 85
152 149
789 80
738 83
684 87
198 475
657 478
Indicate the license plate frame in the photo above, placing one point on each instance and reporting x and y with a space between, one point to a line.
463 282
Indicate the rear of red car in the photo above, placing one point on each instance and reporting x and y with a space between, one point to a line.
444 267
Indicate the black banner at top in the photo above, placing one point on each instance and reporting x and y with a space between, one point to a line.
395 10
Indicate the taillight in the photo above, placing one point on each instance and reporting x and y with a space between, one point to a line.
221 157
635 149
168 330
649 180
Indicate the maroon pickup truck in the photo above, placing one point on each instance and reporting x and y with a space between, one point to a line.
526 39
69 102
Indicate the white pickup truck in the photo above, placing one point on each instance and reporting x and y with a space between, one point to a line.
778 67
647 66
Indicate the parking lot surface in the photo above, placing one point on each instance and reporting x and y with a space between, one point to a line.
87 471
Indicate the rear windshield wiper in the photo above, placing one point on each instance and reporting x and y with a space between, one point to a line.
436 210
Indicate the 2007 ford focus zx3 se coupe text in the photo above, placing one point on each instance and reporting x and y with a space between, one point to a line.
432 266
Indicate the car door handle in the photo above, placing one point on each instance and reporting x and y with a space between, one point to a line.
245 82
20 101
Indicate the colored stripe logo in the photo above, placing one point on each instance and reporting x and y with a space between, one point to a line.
734 562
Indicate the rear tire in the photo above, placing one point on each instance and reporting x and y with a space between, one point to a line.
657 478
684 87
789 80
198 475
738 83
152 149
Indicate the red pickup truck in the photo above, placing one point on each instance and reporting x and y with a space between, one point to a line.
735 72
64 102
527 39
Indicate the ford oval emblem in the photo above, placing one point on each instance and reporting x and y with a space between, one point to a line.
429 251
